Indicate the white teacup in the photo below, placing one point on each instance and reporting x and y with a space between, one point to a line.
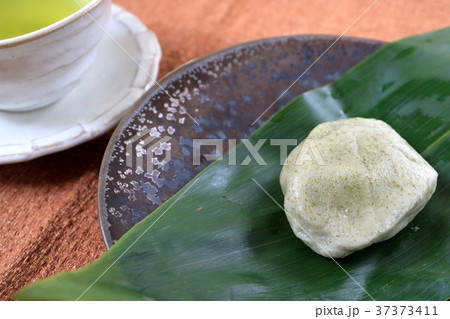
40 67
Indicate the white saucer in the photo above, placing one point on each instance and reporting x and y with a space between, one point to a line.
104 94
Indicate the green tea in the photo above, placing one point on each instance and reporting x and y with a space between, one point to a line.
18 17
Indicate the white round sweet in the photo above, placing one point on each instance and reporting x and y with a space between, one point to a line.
352 183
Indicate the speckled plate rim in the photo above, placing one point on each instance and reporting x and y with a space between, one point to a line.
149 59
169 77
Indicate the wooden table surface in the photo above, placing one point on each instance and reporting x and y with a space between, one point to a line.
48 206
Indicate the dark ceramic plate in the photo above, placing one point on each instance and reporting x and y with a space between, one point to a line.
225 92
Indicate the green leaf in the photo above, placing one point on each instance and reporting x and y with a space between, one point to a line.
223 238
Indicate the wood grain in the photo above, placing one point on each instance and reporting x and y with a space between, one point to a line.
48 206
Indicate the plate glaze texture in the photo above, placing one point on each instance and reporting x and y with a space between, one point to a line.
218 97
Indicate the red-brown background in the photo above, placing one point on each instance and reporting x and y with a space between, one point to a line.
48 206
